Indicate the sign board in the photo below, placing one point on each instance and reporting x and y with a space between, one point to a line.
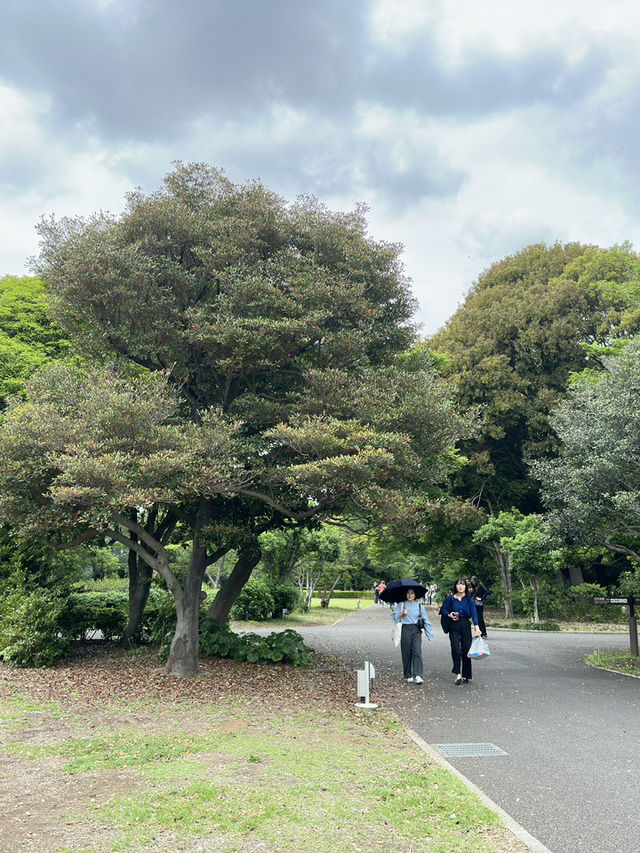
629 600
612 601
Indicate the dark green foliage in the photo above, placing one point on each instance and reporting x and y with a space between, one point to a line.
86 612
29 630
544 626
255 601
592 489
527 325
216 640
277 647
286 596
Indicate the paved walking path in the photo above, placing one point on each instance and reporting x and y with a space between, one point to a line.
571 775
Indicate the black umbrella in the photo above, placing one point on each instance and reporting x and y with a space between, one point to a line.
396 591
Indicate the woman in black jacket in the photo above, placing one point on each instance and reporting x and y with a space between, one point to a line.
479 592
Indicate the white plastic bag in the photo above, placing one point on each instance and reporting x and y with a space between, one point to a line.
479 649
396 632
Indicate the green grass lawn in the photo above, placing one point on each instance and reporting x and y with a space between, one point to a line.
318 615
235 776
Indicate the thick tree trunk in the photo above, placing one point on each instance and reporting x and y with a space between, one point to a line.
140 575
575 575
183 656
248 559
504 567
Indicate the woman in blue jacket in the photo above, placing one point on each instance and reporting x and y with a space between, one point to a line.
460 607
414 619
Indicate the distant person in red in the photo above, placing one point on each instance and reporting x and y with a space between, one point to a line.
381 588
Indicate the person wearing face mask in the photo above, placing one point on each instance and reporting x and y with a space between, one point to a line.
459 607
413 617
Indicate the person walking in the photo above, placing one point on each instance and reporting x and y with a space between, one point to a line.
460 607
414 619
381 588
479 592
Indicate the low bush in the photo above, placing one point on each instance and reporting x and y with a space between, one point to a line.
278 647
105 611
363 594
286 596
29 631
255 601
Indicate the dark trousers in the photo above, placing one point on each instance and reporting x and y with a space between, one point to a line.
460 639
411 648
480 612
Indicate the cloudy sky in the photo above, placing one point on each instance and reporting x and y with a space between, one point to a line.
471 128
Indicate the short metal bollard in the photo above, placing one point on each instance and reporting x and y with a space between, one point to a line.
364 676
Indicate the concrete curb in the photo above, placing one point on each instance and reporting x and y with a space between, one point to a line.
519 831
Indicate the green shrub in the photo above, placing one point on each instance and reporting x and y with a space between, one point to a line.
544 626
216 641
85 612
159 618
29 631
363 594
255 601
286 596
277 647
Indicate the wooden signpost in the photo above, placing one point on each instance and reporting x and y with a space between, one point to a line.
630 602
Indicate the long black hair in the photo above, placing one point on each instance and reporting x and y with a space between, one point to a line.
467 587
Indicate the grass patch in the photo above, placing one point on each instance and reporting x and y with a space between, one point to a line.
317 616
618 661
20 711
285 781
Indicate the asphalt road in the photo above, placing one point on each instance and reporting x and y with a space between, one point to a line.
571 733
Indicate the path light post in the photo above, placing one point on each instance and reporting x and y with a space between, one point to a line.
633 625
364 676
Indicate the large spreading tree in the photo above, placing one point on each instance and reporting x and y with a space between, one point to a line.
254 353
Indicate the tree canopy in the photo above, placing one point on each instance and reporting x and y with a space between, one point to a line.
254 350
528 324
592 489
29 337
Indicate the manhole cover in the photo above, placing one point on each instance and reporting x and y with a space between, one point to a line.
456 750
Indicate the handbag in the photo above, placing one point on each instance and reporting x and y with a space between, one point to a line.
479 649
396 632
444 621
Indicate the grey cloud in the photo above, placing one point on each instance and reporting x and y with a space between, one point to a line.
338 162
143 72
485 83
164 63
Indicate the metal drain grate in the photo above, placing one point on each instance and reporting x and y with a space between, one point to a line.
457 750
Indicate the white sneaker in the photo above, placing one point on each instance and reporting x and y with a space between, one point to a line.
418 680
409 680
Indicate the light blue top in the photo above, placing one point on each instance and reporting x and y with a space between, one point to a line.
414 610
